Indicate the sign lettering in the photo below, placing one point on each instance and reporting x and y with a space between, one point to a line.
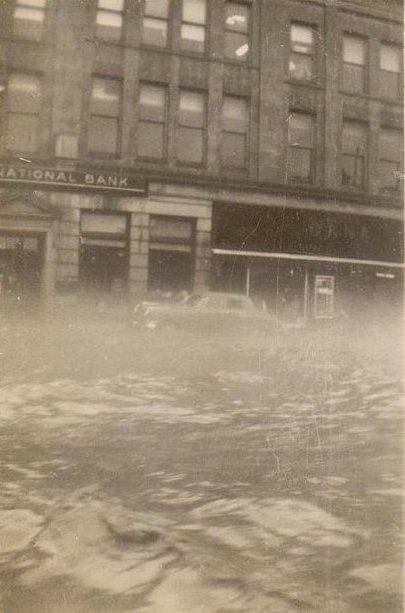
72 178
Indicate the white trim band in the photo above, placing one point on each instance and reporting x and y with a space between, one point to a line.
307 258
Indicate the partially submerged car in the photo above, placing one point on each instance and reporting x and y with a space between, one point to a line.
210 312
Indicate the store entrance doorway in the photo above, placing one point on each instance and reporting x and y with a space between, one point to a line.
21 267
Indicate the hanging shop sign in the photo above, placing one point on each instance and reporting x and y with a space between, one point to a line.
84 179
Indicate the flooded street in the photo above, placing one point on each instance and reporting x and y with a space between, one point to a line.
167 475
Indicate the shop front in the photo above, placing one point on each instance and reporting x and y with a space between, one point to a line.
308 265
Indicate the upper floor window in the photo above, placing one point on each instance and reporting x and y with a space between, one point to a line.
155 22
390 71
235 123
354 64
29 18
237 26
354 152
109 19
105 105
151 141
301 64
191 127
23 113
193 25
390 147
301 144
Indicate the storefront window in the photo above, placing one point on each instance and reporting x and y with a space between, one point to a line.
171 253
103 251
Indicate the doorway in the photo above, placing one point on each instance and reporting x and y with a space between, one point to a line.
21 268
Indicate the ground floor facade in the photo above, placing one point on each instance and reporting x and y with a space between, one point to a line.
302 260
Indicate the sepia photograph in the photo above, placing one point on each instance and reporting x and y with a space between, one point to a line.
201 306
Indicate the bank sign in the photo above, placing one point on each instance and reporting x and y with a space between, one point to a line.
84 179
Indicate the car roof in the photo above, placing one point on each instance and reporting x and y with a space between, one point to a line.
224 295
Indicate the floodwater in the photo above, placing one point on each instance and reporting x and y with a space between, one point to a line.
149 474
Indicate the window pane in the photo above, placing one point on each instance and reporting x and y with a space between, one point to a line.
97 223
389 84
236 45
354 50
157 8
236 17
191 109
302 34
353 78
24 93
36 3
389 175
111 5
194 11
103 135
23 132
109 25
301 66
352 170
233 150
193 37
152 102
150 142
234 114
190 145
354 138
300 130
28 23
169 228
154 32
390 145
390 58
105 98
299 164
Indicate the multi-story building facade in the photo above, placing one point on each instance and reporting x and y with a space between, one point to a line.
250 145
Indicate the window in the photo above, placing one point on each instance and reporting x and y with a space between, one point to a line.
301 65
235 124
324 296
354 64
190 130
171 246
152 122
390 71
390 147
105 106
103 263
109 19
354 148
155 22
29 17
301 142
193 25
236 41
23 117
